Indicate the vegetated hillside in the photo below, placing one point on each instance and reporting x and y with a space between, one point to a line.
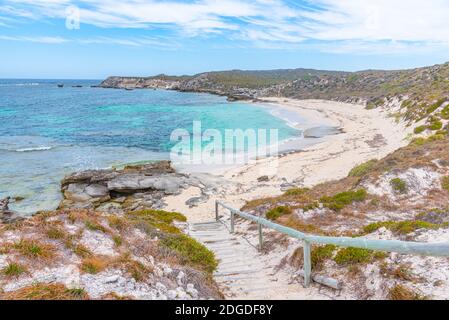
85 254
413 94
106 241
404 196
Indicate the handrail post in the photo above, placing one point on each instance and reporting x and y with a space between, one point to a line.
232 221
260 237
307 263
216 211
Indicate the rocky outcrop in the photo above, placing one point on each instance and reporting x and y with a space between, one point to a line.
139 83
150 182
134 187
7 215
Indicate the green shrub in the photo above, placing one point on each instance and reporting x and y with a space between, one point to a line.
436 137
277 212
419 141
296 191
348 256
445 183
117 240
191 251
13 270
445 113
311 206
340 200
401 227
420 129
435 125
362 169
150 220
398 185
321 254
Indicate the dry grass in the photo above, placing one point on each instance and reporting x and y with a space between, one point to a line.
94 225
400 292
115 296
55 233
13 270
43 291
401 272
94 265
134 268
82 251
118 223
35 249
298 224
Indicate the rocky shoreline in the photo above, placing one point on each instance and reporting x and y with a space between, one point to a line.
107 240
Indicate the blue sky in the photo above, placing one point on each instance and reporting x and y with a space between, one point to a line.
97 38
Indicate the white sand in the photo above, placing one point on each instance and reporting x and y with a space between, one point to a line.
367 134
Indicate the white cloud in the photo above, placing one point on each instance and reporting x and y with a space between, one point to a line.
364 26
47 40
399 20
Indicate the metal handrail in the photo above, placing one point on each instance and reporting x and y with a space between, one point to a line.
404 247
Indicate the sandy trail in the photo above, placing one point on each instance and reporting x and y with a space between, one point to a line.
367 134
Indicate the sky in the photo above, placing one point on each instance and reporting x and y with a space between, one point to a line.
92 39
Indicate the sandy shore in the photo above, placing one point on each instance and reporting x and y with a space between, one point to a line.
366 134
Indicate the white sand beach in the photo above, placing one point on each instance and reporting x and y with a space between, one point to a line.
366 134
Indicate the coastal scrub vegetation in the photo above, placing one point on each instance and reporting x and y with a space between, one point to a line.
399 185
445 183
400 292
402 227
348 256
362 169
35 249
186 248
191 251
320 254
342 199
44 291
13 269
278 212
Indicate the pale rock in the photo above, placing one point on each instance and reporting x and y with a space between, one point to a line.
161 287
192 291
180 293
172 294
168 271
112 279
180 278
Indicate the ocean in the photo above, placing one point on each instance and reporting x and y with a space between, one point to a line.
47 132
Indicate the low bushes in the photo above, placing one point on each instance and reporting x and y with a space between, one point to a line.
362 169
401 227
44 291
340 200
191 251
277 212
349 256
399 185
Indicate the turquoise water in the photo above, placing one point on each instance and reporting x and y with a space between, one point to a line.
47 132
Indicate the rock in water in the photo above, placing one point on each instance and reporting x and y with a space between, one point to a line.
6 215
4 205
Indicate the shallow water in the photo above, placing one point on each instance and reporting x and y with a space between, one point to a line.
47 132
